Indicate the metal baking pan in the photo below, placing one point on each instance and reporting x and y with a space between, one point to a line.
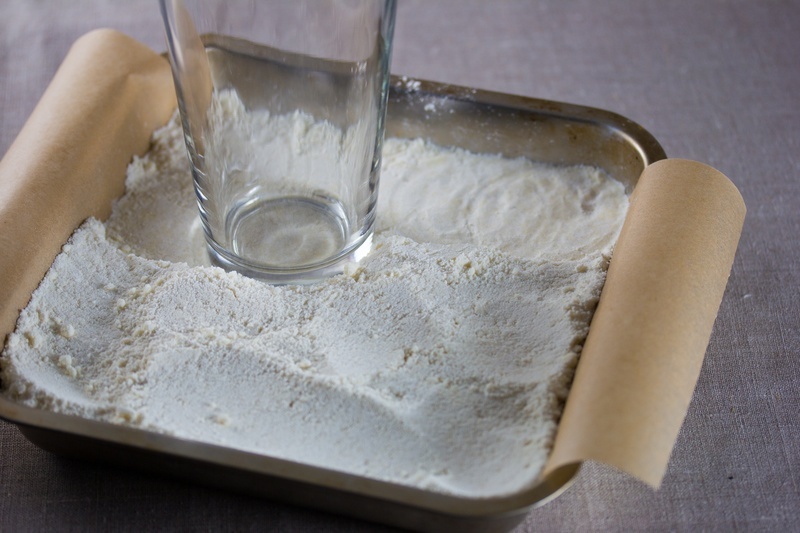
475 120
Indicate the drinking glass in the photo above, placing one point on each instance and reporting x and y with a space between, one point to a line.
283 105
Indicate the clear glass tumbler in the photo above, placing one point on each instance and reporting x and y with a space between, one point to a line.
283 106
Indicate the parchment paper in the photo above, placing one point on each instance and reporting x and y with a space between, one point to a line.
69 161
651 329
649 334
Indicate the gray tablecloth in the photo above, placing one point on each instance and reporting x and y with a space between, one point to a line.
717 81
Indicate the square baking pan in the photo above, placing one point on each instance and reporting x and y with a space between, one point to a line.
474 120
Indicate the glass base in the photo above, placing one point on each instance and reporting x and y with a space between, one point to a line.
288 240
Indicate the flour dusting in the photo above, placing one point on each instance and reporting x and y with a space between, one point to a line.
440 361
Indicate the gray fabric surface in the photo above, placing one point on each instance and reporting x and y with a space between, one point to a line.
717 81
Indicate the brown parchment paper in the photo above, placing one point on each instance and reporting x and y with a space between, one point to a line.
649 334
69 161
651 329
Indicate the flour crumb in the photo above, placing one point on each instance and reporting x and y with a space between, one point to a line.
410 84
66 331
64 362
